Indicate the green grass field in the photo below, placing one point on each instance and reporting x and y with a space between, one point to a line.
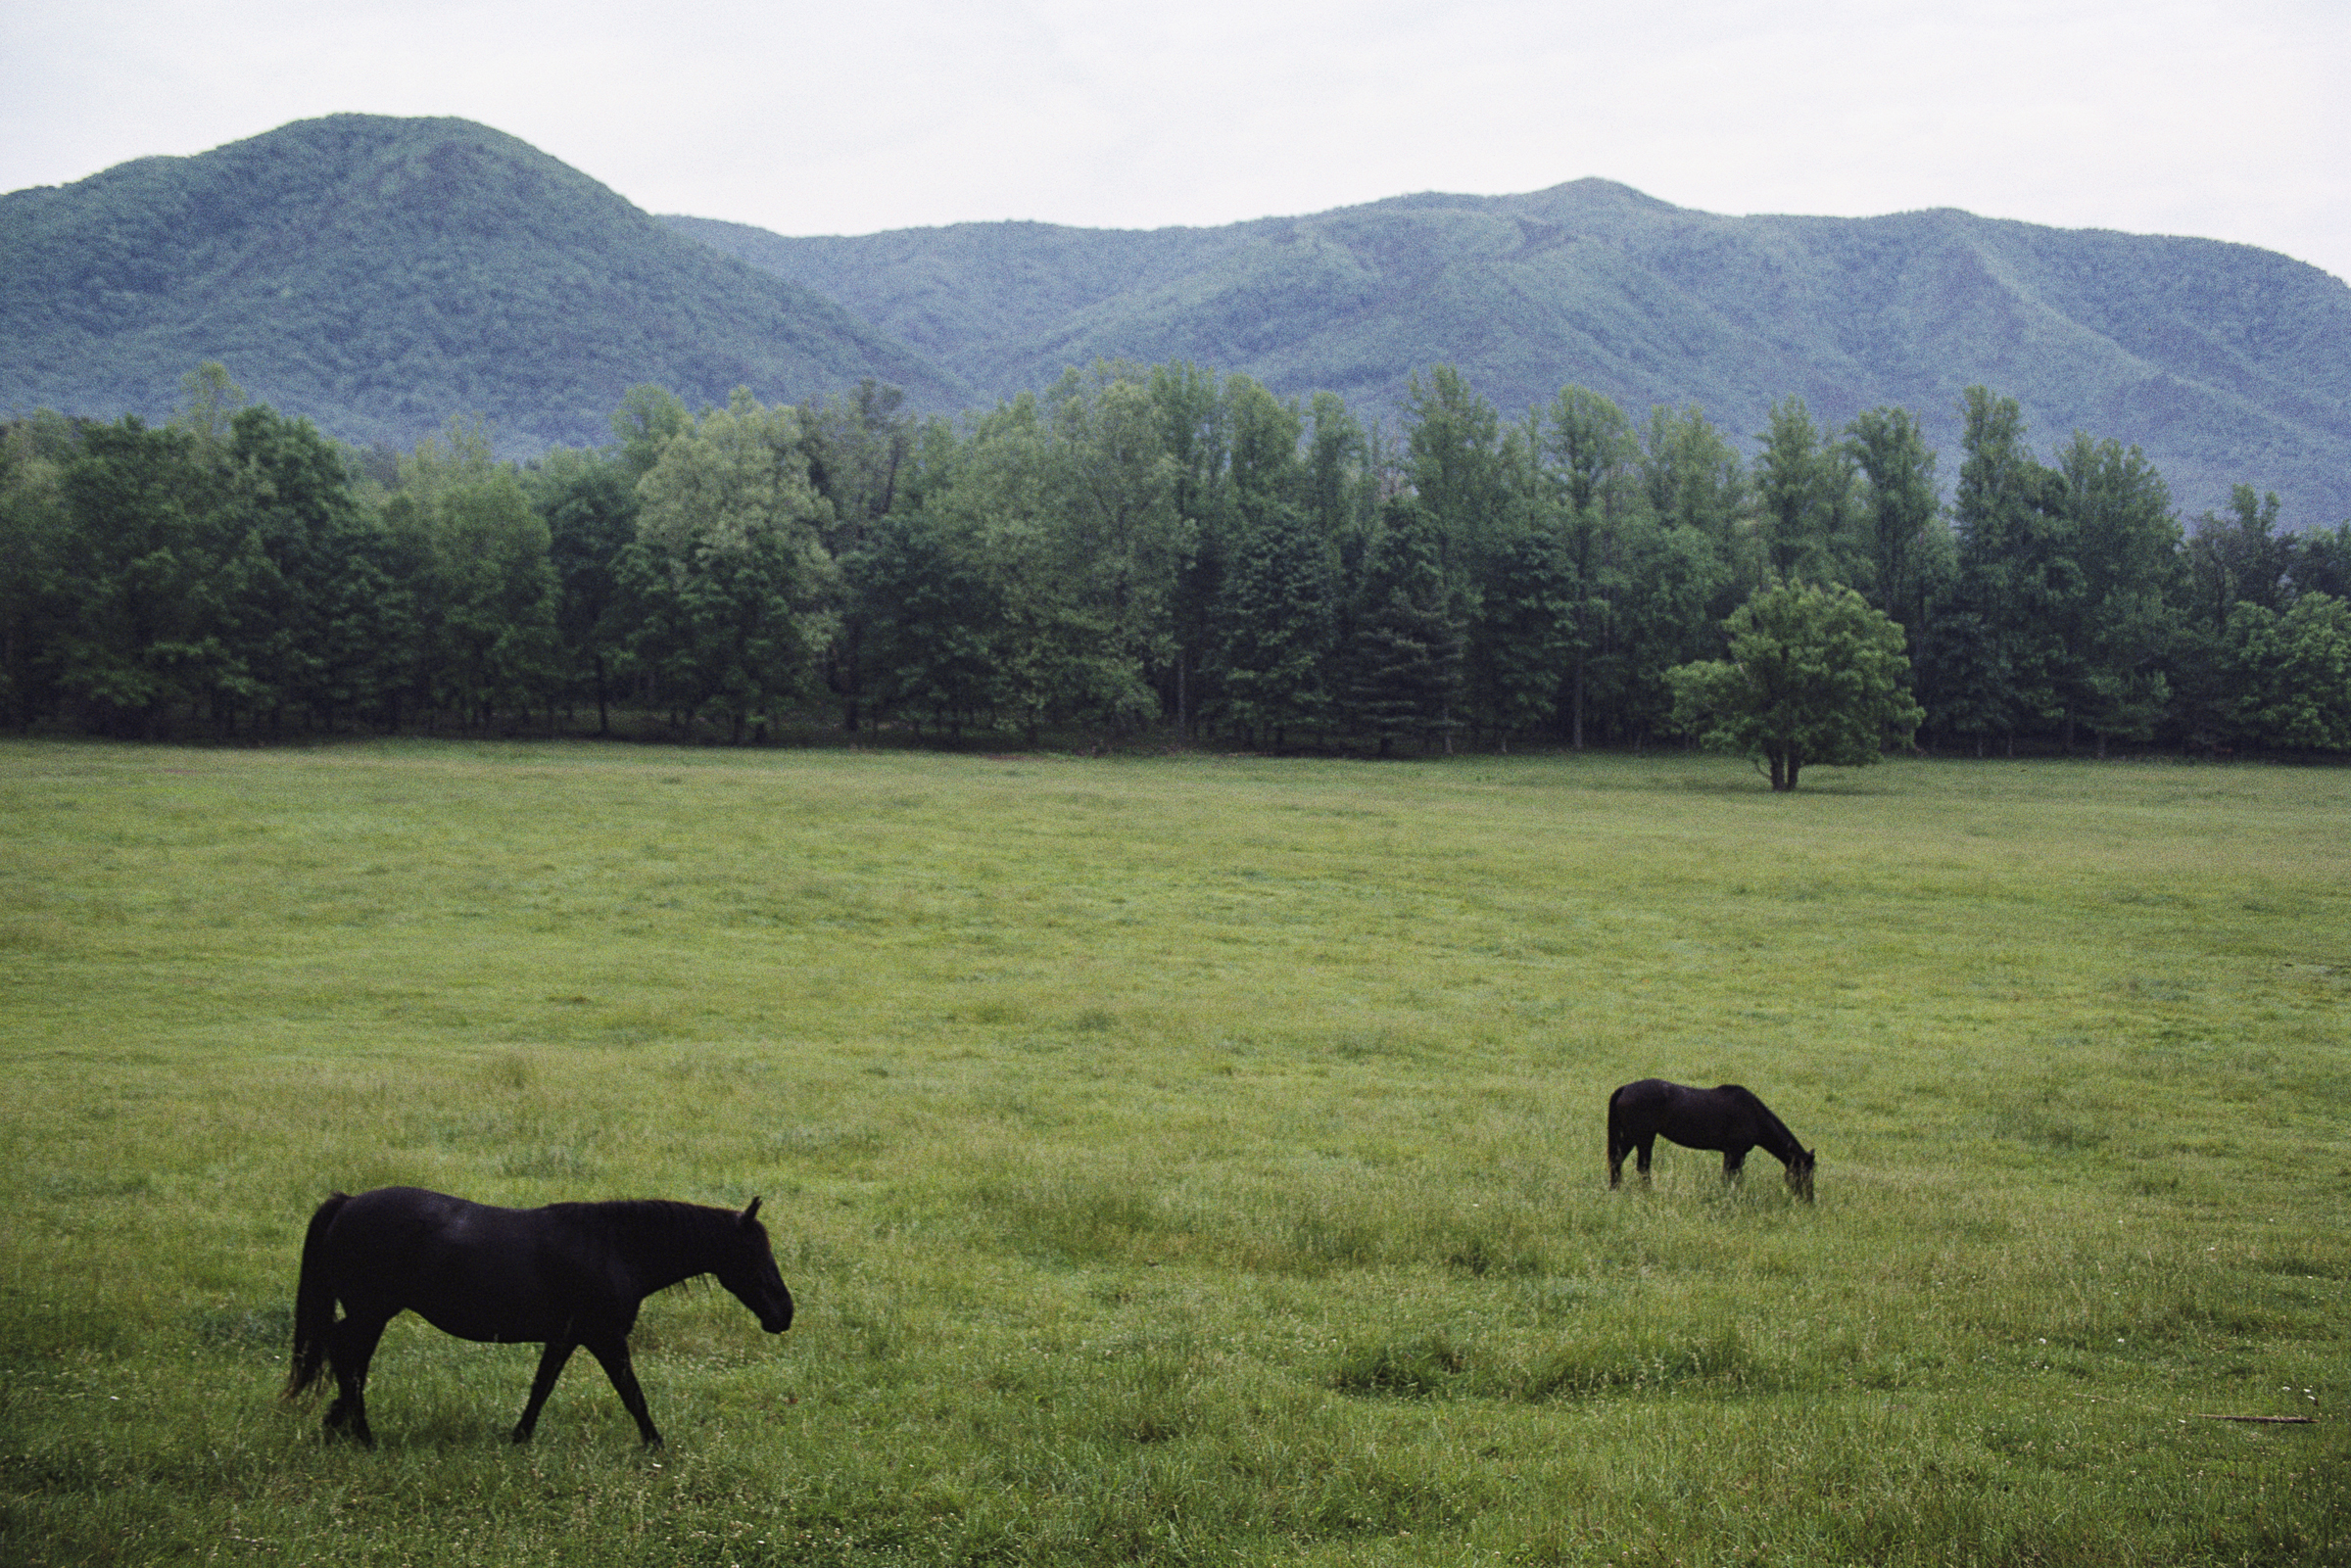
1192 1160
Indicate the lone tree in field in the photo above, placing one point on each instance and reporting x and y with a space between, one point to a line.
1814 676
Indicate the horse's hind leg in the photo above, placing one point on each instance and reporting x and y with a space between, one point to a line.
349 1347
551 1367
1641 1153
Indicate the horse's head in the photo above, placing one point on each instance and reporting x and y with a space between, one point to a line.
1800 1174
750 1272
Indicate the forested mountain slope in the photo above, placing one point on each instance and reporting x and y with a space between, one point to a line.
2227 363
380 274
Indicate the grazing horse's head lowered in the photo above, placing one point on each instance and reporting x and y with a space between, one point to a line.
1799 1173
566 1275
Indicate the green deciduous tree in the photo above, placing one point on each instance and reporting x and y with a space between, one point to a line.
858 448
589 500
2292 673
730 584
1692 478
34 527
1816 676
481 585
934 625
2239 559
315 620
143 576
1117 529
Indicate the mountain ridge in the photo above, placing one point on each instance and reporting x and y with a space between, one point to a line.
2227 364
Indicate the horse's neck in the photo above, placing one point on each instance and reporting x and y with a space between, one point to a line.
665 1242
1774 1135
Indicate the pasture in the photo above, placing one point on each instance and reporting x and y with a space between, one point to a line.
1192 1160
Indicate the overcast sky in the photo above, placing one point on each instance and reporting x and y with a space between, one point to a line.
2216 117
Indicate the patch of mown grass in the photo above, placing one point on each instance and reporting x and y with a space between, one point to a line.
1188 1158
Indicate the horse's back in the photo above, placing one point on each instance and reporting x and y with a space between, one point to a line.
475 1270
1640 1097
1652 1099
1693 1117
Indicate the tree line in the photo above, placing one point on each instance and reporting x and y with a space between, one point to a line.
1139 546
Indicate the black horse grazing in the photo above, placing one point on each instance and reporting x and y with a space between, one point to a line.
1728 1119
568 1274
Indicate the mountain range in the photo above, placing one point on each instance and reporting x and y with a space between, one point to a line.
379 274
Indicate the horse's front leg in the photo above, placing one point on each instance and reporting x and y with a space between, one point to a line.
551 1367
1734 1160
613 1352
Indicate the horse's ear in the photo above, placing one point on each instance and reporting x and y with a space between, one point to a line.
750 1212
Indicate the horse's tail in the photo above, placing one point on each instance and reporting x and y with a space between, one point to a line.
1615 1124
314 1302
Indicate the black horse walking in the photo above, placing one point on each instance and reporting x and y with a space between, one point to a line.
1729 1119
567 1275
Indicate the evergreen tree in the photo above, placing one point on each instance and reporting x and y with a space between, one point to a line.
2120 628
1403 656
1453 438
1520 637
1275 627
1587 449
2017 577
1909 553
1804 489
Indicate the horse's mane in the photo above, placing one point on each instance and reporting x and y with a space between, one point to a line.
660 1229
652 1210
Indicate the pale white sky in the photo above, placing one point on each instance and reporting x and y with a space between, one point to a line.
2217 118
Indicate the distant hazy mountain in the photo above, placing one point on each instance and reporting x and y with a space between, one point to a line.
2226 362
380 274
